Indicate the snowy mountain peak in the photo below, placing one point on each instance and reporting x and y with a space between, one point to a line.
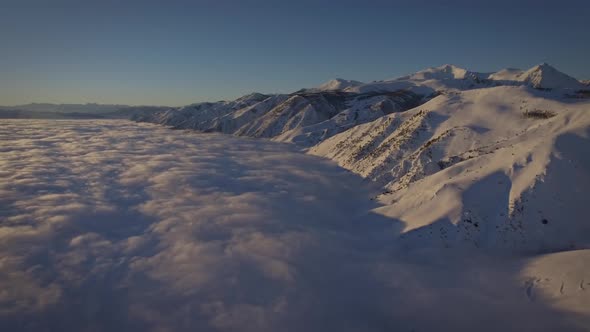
443 72
254 96
450 68
338 84
545 76
541 76
544 67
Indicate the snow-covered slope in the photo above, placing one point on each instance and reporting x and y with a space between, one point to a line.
299 110
199 116
562 279
306 117
507 74
501 167
359 109
231 122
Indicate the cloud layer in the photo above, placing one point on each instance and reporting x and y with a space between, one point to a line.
110 225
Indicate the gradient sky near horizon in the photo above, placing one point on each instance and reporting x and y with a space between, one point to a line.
178 52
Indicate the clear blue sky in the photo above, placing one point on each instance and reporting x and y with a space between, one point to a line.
178 52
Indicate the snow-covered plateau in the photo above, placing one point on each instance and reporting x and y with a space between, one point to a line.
444 200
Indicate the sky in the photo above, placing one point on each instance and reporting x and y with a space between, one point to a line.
178 52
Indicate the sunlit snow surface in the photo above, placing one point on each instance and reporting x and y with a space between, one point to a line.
118 226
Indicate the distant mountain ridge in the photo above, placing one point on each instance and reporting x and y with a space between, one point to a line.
542 76
66 108
311 115
337 84
425 83
75 111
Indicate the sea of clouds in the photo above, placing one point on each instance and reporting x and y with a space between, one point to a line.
118 226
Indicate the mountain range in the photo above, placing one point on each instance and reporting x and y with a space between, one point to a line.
472 190
488 160
491 160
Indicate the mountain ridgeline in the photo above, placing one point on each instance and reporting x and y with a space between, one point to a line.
310 116
289 117
487 160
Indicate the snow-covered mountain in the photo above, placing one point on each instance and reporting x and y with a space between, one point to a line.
337 84
465 158
545 76
429 81
542 76
451 77
360 109
444 72
310 116
307 116
482 167
200 116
